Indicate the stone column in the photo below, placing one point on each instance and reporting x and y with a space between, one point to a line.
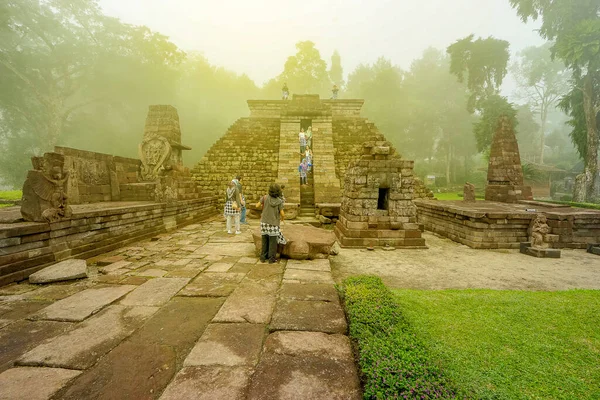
327 186
289 159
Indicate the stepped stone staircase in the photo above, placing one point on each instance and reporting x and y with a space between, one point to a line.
264 148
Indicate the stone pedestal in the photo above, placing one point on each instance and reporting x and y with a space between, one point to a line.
508 193
526 248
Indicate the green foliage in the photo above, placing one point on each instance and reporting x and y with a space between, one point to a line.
528 131
70 75
541 81
422 111
574 26
392 359
11 194
567 200
306 71
492 108
572 104
62 60
532 174
484 63
511 344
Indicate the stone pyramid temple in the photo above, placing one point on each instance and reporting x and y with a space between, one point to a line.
264 148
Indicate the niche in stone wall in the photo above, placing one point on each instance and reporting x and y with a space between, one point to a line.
383 199
305 123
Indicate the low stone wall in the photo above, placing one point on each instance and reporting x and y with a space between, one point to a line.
97 177
492 225
26 247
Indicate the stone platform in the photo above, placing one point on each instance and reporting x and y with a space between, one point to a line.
191 314
492 225
26 247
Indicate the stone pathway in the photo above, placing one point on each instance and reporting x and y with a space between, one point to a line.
191 314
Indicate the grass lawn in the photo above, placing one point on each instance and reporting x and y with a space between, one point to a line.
454 196
447 196
511 344
11 194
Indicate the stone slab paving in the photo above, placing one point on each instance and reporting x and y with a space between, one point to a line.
228 344
306 365
251 302
81 347
83 304
22 336
303 275
209 383
213 284
219 267
16 383
192 321
115 266
62 271
143 365
312 265
155 292
309 291
317 316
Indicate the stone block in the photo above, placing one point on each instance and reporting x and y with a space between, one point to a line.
62 271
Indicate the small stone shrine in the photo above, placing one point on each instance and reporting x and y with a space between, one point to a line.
44 190
505 175
377 202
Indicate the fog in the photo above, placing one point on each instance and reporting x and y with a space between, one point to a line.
82 74
255 38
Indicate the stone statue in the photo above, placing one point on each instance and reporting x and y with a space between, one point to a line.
44 190
155 153
469 192
538 231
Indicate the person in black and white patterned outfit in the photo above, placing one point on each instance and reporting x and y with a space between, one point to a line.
272 215
233 201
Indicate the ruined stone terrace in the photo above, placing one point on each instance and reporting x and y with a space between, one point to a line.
190 314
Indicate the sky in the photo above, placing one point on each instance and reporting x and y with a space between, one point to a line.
256 37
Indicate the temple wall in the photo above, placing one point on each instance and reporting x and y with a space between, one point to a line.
27 247
97 177
250 147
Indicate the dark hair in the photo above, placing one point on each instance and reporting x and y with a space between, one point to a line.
238 177
274 190
282 187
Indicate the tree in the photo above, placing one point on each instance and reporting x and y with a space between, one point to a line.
574 26
527 133
305 72
541 82
484 63
61 58
336 72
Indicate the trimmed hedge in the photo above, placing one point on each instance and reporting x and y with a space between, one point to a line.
393 361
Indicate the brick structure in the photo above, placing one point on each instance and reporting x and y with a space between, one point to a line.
492 225
264 148
377 203
505 175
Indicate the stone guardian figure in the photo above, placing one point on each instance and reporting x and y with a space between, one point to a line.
44 190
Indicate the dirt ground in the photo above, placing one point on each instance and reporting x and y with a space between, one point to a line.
449 265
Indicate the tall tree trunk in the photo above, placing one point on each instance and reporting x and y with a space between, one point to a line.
544 117
448 161
591 160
